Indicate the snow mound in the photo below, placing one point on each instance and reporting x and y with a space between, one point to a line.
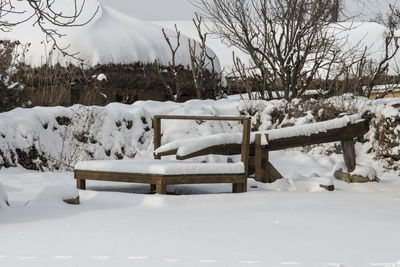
56 193
299 183
312 183
360 170
111 37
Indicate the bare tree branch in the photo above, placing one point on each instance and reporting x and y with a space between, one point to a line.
44 16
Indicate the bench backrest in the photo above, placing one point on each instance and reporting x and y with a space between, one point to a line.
245 146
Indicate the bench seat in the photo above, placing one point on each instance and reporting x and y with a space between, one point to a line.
160 173
160 167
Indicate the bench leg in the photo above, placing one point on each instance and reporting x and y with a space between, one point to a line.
81 184
152 188
239 187
161 189
244 187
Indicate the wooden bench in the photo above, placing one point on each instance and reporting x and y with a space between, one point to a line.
159 173
343 130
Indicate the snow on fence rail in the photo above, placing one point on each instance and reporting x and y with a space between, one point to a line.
337 129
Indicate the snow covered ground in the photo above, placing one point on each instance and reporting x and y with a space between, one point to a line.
292 222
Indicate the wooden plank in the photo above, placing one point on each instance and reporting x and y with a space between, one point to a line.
81 184
265 172
266 166
157 135
161 188
152 188
155 179
244 187
334 135
349 154
204 178
212 118
258 159
166 153
239 187
245 145
228 149
117 177
273 173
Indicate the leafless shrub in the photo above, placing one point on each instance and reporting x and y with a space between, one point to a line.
294 47
288 41
201 61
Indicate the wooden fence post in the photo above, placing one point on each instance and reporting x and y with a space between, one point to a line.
157 134
245 150
349 154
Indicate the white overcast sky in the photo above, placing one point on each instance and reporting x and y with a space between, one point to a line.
154 9
184 10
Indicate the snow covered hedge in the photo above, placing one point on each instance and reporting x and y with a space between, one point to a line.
52 138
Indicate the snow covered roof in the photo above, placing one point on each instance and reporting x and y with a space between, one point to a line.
111 37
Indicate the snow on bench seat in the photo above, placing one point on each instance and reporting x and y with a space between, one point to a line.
160 167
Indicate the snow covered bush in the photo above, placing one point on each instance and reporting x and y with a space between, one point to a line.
56 137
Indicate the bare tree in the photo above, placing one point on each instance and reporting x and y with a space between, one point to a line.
45 15
173 67
370 73
201 60
337 7
288 41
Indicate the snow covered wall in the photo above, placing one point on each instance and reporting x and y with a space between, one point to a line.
111 37
57 137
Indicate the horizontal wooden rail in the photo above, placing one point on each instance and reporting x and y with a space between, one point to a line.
210 118
333 135
338 134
